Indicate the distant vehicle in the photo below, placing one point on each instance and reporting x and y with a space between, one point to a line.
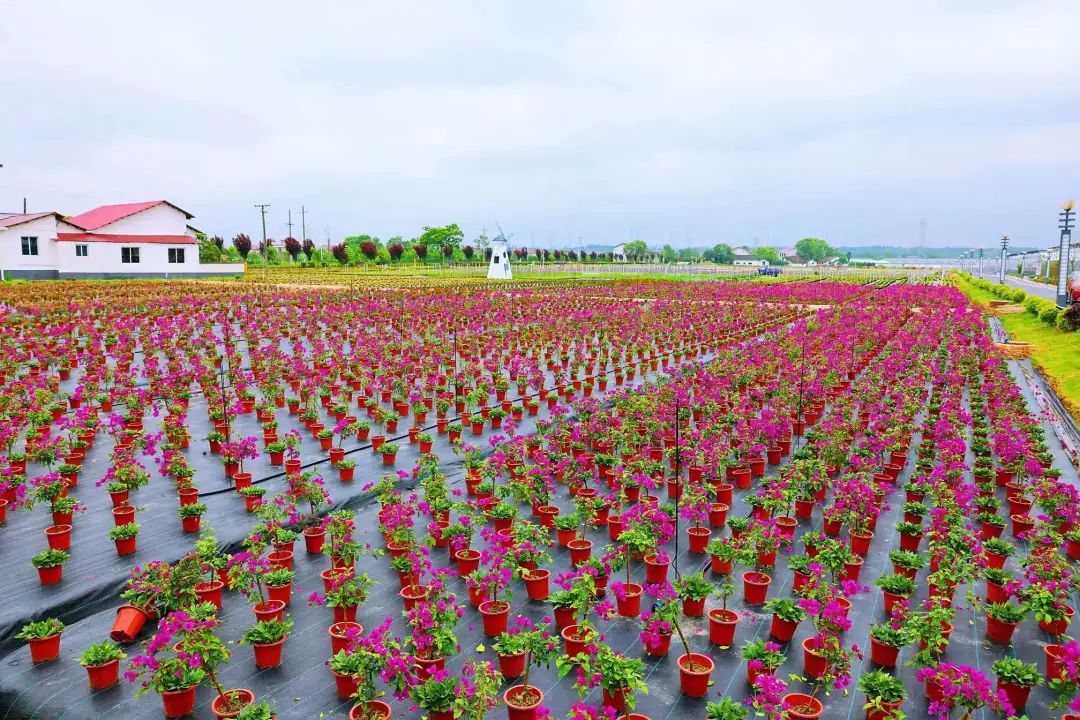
1073 287
770 271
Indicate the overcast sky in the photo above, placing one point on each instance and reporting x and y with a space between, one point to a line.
679 122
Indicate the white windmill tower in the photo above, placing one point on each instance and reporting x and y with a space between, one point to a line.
499 267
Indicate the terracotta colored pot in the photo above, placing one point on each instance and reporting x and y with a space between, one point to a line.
882 654
537 584
339 635
269 610
129 621
519 709
179 703
755 587
496 615
694 673
103 676
512 666
722 624
268 655
45 649
802 707
376 709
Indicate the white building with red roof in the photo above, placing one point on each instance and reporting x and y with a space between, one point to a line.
143 239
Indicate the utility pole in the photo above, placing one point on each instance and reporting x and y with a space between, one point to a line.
1004 255
290 223
303 224
262 211
980 261
1066 217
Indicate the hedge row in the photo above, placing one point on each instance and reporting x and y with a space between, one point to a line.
1067 320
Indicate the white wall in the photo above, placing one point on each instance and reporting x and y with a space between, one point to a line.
158 220
105 257
11 257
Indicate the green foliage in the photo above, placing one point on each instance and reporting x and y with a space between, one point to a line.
882 685
726 709
1017 672
101 653
814 249
896 584
694 587
124 532
40 629
1006 612
192 510
785 609
266 632
49 558
257 711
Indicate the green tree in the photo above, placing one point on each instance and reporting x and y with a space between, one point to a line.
768 253
721 254
637 249
436 237
687 254
669 254
814 249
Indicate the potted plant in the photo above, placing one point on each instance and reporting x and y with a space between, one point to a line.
762 658
125 537
102 663
786 616
389 453
257 711
191 516
50 565
267 639
884 695
693 591
618 676
1001 621
1016 678
726 709
894 589
346 469
43 637
522 700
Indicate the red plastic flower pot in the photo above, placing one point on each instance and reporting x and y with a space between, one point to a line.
268 655
782 630
564 617
129 621
496 614
537 584
269 610
371 710
58 537
718 514
882 654
804 509
695 672
655 571
693 608
814 663
1058 627
521 702
45 649
886 712
191 524
292 466
345 613
741 478
512 666
998 631
346 685
890 600
755 587
660 649
210 592
580 551
615 698
313 540
630 603
178 703
574 643
339 635
699 538
103 676
802 707
123 515
282 559
720 567
1054 664
860 542
51 575
237 700
467 561
409 595
188 495
126 546
1017 695
722 624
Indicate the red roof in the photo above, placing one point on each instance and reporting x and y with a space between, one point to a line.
10 220
129 239
99 217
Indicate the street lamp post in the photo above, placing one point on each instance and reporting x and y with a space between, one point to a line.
1004 252
1066 217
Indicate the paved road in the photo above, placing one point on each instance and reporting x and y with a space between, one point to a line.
1047 292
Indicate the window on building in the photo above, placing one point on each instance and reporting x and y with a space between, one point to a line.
129 255
176 256
80 251
29 245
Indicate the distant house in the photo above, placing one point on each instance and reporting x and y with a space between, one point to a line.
618 253
743 257
143 239
791 255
